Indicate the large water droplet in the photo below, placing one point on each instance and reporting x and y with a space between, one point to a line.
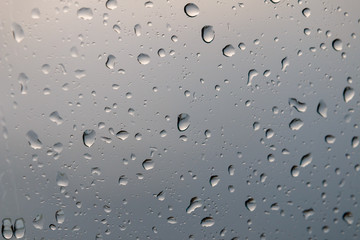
89 137
111 4
18 32
207 222
110 62
38 222
306 160
137 30
148 164
322 109
56 118
183 121
33 140
299 106
123 180
143 59
62 180
208 33
296 124
250 204
348 218
306 12
191 10
194 204
275 1
308 213
35 13
337 44
251 74
355 142
122 135
85 13
348 94
19 228
60 216
330 139
228 51
214 180
295 171
6 229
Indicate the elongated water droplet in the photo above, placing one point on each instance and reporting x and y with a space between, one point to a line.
89 137
348 218
183 121
214 180
355 142
33 140
296 124
110 62
111 4
208 33
62 180
195 203
137 30
171 220
284 63
251 74
191 10
275 1
56 118
307 213
207 222
19 228
18 32
23 80
337 45
299 106
295 171
228 51
143 59
6 229
60 216
38 222
322 109
250 204
306 160
85 13
122 135
148 164
231 170
306 12
348 94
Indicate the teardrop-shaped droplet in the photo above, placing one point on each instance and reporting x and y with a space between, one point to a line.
348 94
295 171
208 33
60 216
322 109
191 10
143 59
228 51
306 160
89 137
183 121
214 180
296 124
18 32
348 218
207 222
284 63
148 164
355 142
250 204
306 12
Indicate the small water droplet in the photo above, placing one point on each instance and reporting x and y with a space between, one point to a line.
208 33
137 30
330 139
355 142
348 94
171 220
306 12
122 135
89 137
110 62
250 204
251 74
295 171
62 180
337 44
183 122
191 10
33 140
228 51
214 180
123 180
207 222
284 63
322 109
307 213
143 59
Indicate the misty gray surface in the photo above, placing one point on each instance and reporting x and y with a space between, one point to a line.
71 81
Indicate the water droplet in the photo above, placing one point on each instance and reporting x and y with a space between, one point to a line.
231 170
89 137
191 10
6 229
137 30
38 222
19 228
307 213
18 32
123 180
183 122
207 222
85 13
296 124
122 135
23 80
60 216
161 53
149 4
306 160
337 44
208 33
148 164
355 142
348 218
348 94
55 117
35 13
207 133
111 4
160 196
110 62
250 204
322 109
330 139
295 171
275 1
251 74
33 140
306 12
269 133
62 180
143 59
214 180
299 106
228 51
195 203
117 28
284 63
